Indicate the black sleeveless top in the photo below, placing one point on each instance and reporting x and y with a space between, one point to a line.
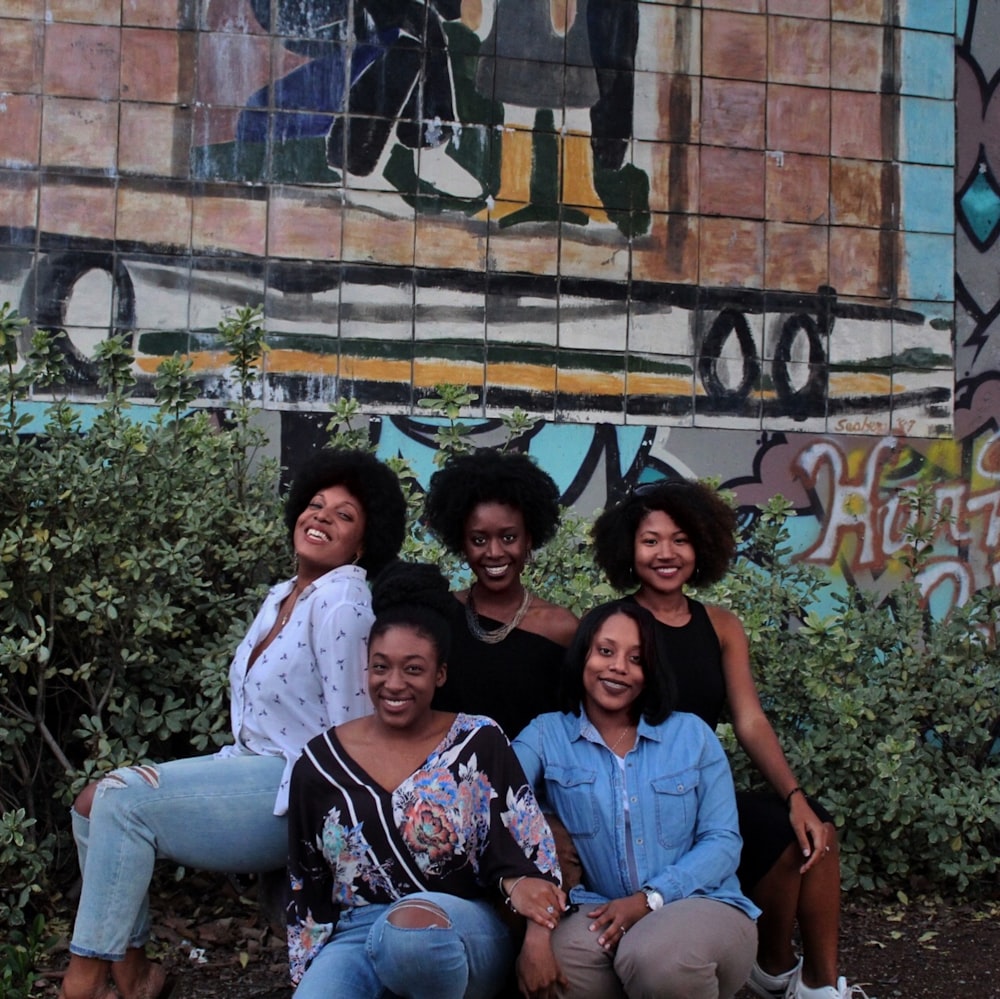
692 655
511 682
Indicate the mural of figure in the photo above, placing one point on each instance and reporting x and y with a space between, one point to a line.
378 70
573 54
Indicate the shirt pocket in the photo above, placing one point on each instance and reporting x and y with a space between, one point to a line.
571 792
676 803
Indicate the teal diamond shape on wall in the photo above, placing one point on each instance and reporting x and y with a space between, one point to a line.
979 207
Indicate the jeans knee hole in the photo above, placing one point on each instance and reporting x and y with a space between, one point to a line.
439 917
117 778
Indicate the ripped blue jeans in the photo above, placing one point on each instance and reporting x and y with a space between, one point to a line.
208 812
370 958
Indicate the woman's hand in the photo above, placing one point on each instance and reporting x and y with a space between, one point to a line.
613 919
538 973
536 899
810 830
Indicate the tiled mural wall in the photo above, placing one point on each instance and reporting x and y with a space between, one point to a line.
727 213
733 238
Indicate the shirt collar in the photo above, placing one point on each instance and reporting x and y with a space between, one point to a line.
341 572
583 728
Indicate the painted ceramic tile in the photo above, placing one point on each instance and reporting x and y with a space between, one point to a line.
660 388
412 184
154 138
21 124
82 61
21 47
163 210
81 133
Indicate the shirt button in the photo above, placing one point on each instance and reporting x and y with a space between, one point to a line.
639 841
634 798
680 787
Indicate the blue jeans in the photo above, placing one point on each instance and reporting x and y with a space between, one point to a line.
369 958
210 813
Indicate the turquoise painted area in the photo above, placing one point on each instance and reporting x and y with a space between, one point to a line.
557 447
927 131
927 64
927 145
927 15
961 17
930 266
925 191
88 412
980 205
421 458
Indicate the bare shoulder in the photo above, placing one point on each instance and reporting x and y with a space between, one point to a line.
551 621
724 621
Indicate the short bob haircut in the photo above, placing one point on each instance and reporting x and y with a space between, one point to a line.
707 519
414 595
488 476
372 484
656 702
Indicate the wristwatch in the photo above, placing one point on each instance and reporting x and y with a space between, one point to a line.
654 900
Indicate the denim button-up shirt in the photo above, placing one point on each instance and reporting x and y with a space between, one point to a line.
683 825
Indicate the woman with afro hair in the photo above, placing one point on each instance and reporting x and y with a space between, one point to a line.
299 669
662 539
495 508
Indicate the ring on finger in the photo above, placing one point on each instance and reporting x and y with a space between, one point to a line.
623 928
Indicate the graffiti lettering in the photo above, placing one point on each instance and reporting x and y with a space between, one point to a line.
858 508
872 425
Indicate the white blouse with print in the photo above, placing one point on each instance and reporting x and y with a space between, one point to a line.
311 676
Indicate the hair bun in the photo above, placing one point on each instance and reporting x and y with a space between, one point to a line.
414 584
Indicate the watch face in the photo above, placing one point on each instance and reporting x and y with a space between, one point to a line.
654 899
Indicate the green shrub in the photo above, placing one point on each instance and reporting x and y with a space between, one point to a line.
20 953
24 862
890 716
133 549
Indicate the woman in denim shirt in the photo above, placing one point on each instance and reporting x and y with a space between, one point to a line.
647 796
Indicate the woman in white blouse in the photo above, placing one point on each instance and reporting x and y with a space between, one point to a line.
299 670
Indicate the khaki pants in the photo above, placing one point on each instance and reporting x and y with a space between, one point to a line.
695 948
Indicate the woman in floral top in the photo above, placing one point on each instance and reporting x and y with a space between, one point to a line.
407 826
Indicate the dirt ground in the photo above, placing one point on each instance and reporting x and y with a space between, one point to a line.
221 947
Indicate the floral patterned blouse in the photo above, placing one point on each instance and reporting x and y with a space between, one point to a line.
460 822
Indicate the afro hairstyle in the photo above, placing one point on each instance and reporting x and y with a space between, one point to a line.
698 510
489 476
368 480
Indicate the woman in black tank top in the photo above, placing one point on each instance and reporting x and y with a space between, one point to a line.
494 508
671 535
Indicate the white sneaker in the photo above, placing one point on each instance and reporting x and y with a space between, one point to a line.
796 990
771 986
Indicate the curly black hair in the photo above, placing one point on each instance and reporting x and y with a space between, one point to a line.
707 519
414 595
374 485
657 699
488 476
